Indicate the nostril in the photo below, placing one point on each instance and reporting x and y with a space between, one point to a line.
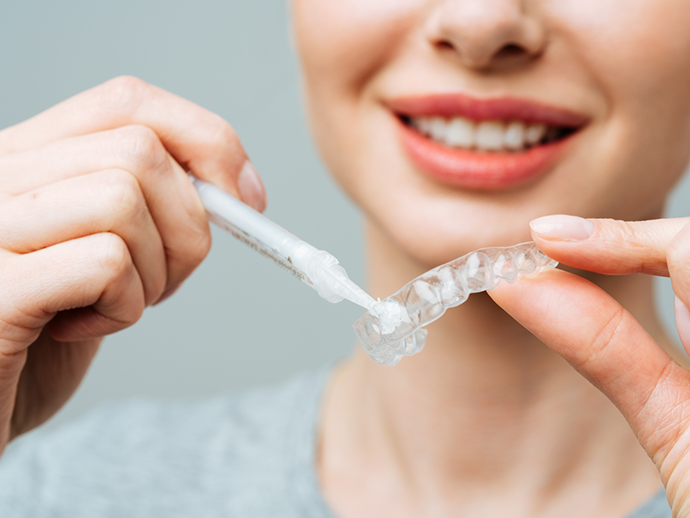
445 45
510 51
508 56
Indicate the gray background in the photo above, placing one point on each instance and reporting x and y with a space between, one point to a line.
223 330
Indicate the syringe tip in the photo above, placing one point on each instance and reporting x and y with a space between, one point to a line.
332 282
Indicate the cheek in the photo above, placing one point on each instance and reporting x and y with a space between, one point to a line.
342 46
633 43
343 42
638 53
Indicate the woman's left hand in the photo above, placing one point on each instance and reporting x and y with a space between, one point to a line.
603 341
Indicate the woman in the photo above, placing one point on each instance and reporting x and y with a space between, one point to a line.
453 124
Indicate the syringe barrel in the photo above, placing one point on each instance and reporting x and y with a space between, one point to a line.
315 267
257 230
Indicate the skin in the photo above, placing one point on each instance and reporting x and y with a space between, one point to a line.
614 351
492 406
572 54
486 409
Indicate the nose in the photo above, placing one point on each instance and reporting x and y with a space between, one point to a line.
487 33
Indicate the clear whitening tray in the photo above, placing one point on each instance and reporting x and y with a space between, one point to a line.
391 328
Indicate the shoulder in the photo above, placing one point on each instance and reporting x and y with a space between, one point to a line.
231 451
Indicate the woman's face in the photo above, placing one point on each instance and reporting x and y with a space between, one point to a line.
453 123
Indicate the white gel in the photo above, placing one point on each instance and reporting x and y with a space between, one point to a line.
392 328
390 315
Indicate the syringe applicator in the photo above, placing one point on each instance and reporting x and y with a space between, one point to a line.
315 267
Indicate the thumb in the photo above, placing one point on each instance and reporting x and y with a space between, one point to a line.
591 330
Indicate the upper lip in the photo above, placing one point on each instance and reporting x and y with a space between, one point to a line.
450 105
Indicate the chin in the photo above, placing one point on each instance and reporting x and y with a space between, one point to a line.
431 230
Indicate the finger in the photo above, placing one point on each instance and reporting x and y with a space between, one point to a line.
608 346
106 201
678 258
608 246
656 247
197 138
682 316
94 272
171 199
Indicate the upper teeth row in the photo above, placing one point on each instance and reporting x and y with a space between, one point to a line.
485 136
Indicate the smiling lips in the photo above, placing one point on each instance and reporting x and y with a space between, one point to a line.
483 144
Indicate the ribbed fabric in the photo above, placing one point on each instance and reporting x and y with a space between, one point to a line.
244 456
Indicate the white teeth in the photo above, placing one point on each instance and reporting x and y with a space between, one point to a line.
514 137
535 132
437 129
460 133
464 133
489 136
423 125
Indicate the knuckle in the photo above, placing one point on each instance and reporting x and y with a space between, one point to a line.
198 240
134 311
679 267
124 193
112 255
223 141
626 231
142 147
203 246
662 415
677 255
158 288
122 95
197 246
224 135
127 315
605 336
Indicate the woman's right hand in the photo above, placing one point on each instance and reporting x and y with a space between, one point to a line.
603 341
97 221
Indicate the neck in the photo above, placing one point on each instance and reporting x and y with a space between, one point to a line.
486 409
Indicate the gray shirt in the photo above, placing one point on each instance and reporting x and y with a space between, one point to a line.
248 456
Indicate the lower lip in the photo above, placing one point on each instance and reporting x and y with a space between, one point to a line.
475 169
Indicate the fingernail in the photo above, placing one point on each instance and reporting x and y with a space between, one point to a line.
251 188
682 323
562 228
